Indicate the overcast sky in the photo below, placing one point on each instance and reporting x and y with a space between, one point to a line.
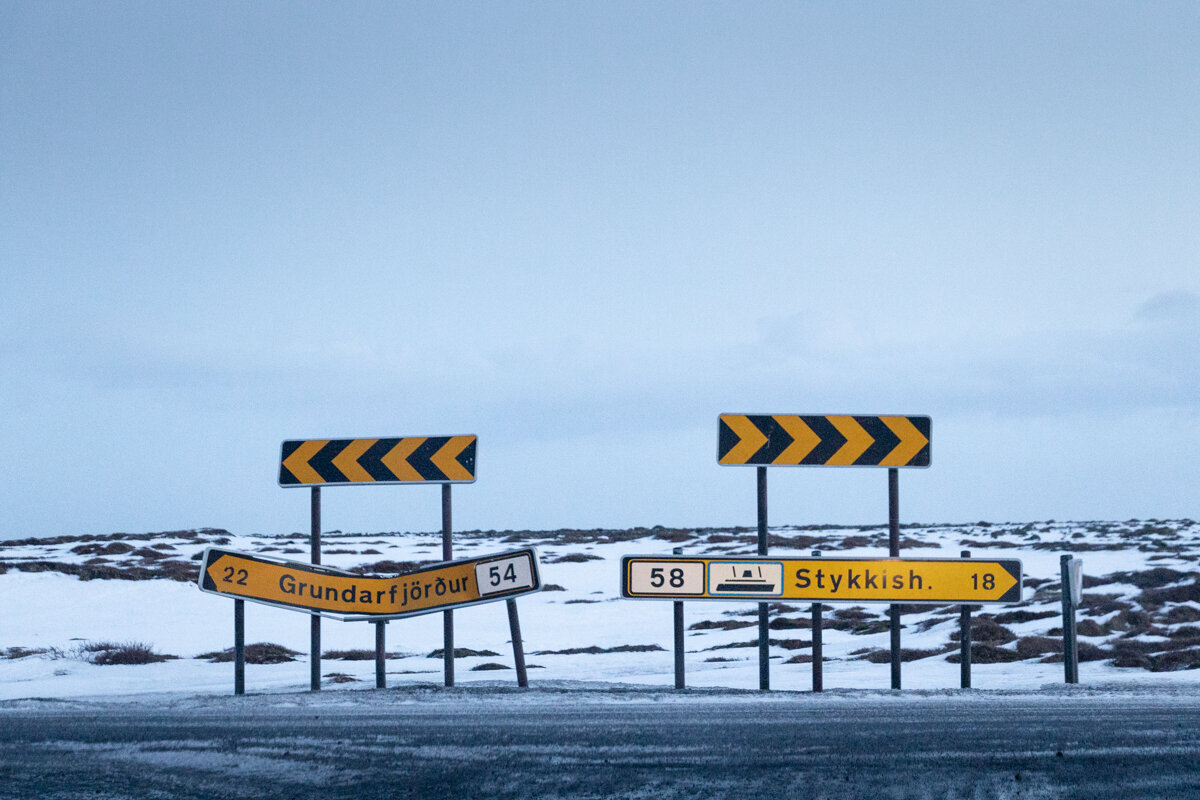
581 231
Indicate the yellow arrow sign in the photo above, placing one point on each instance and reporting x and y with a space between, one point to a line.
344 595
859 580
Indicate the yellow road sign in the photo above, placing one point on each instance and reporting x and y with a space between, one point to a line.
409 459
822 440
348 596
859 580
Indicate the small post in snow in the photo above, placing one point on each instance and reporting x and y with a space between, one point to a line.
964 639
818 681
239 646
679 676
1071 590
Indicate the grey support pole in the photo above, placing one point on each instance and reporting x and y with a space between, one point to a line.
1070 640
894 552
380 655
514 628
447 616
964 640
314 656
818 680
239 646
679 676
764 632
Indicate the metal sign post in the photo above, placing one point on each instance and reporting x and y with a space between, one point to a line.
964 640
314 658
447 616
894 552
380 654
764 630
818 657
239 647
1072 591
678 620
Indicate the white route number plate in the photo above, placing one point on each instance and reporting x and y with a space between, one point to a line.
504 574
666 577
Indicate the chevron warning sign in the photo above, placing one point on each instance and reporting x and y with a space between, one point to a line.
409 459
825 440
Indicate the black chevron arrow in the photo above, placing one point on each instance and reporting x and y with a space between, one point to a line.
885 440
322 462
420 458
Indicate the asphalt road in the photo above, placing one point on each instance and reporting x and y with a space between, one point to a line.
472 744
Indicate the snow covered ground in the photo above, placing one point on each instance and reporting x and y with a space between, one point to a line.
1141 612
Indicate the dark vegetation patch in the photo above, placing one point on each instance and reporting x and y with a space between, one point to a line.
1089 627
1156 598
863 628
339 677
985 630
719 660
1087 652
982 653
1182 614
490 665
111 549
167 569
257 653
1155 578
355 655
552 587
906 654
1011 617
721 625
13 653
461 652
789 623
200 534
594 650
803 658
572 558
339 552
786 644
108 653
1035 646
570 602
852 614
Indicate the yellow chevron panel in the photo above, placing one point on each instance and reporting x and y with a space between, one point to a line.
751 439
396 459
805 439
347 460
857 441
911 441
446 458
297 462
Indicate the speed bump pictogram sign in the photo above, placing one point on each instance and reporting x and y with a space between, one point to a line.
349 596
408 459
859 580
827 440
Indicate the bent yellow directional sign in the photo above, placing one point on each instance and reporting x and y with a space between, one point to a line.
793 440
348 596
410 459
860 580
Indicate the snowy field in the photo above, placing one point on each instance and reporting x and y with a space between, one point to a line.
64 598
